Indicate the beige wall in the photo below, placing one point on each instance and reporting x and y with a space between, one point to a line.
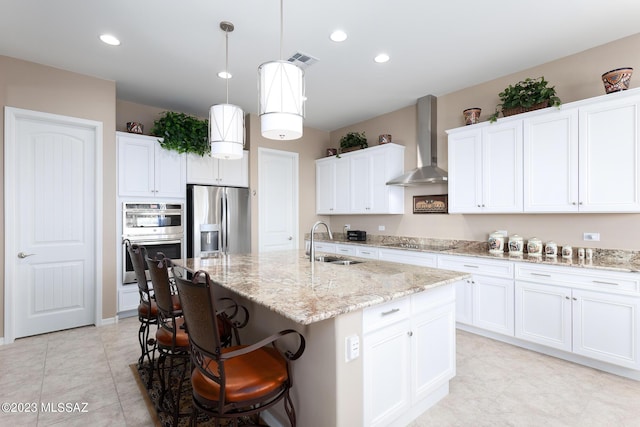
575 77
37 87
131 112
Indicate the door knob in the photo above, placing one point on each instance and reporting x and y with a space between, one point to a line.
22 255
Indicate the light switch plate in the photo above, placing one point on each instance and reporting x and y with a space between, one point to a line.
381 228
591 237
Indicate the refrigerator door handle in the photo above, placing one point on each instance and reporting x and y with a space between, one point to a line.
222 222
227 223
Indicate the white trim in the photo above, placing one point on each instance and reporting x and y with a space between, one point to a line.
296 191
11 114
108 321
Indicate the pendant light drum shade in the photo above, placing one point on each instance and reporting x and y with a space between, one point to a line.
281 87
226 131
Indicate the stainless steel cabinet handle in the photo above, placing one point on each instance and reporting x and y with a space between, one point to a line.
471 266
605 283
366 253
540 274
566 297
290 238
393 310
22 255
410 333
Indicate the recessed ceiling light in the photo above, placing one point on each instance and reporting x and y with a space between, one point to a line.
383 57
224 75
338 36
109 39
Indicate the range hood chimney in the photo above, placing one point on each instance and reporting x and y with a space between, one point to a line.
427 171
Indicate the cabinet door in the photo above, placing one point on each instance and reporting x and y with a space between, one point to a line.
234 173
342 187
543 314
360 177
465 172
386 370
493 304
202 170
551 162
136 166
464 301
170 173
610 156
433 347
325 186
607 327
502 167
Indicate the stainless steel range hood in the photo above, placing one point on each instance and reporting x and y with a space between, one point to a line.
427 171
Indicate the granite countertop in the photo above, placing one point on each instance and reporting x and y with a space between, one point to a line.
288 284
603 259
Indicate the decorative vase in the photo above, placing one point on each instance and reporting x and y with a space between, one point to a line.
384 139
617 80
134 127
471 115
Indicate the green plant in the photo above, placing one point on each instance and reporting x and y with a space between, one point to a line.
182 133
526 94
353 139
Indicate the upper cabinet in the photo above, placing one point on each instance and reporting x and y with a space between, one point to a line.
355 183
485 169
583 157
207 170
145 169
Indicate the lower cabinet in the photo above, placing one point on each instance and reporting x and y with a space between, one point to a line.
484 301
408 356
597 325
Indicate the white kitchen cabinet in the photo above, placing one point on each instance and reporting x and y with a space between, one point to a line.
207 170
355 183
551 162
147 170
610 155
595 315
486 299
332 186
408 356
485 169
424 259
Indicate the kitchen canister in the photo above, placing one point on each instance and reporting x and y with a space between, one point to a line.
580 253
567 251
516 245
534 246
496 243
551 249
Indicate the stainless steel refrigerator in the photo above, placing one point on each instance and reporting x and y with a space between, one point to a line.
218 221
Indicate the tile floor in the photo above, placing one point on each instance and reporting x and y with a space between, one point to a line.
496 385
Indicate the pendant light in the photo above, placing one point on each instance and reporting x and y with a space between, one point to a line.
226 121
281 87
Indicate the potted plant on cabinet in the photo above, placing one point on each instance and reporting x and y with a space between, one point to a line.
526 95
182 133
353 141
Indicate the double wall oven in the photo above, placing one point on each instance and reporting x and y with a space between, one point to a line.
157 226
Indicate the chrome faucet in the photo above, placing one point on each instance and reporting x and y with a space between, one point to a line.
312 249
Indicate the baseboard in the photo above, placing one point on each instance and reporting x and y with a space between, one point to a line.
2 341
128 313
270 420
109 321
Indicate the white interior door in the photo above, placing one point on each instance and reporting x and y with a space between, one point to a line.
51 222
277 200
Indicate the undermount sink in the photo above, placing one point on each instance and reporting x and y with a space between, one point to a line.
336 260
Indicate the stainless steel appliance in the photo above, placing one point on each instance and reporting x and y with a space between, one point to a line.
157 226
218 221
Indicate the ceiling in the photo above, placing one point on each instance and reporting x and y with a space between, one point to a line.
172 50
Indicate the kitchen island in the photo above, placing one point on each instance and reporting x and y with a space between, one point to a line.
330 303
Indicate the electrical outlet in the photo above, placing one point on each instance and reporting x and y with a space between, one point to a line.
591 237
381 228
352 347
347 226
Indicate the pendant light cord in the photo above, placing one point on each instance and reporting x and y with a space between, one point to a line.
226 33
281 27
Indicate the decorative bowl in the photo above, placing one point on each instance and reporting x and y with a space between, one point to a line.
617 80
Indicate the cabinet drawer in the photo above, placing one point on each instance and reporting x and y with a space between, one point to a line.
325 247
423 259
364 252
128 298
379 316
608 281
476 266
346 250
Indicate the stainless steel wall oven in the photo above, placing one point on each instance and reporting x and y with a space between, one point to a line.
157 226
